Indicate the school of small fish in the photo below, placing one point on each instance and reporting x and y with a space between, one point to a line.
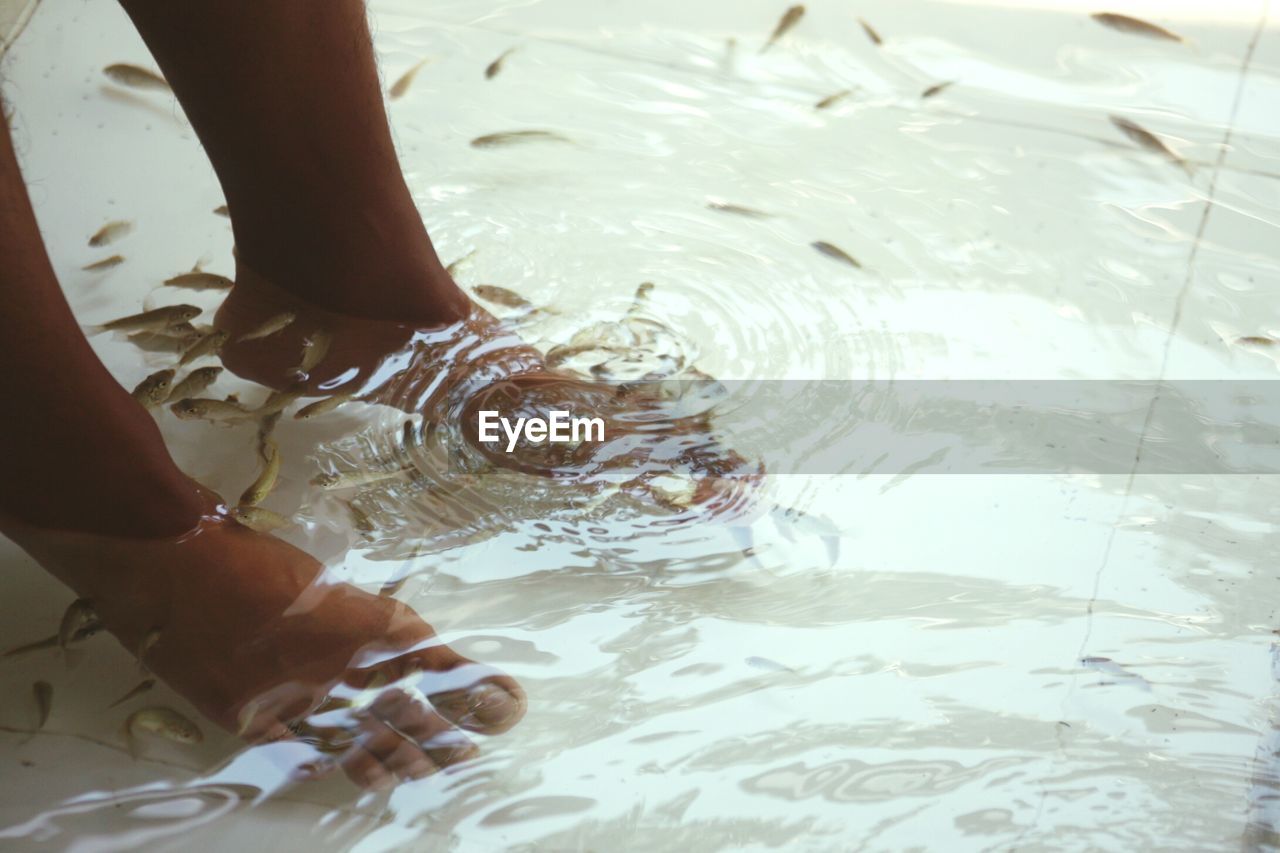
170 328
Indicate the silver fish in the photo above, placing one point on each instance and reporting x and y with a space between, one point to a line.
871 33
163 722
401 86
152 321
154 390
135 77
736 209
198 280
222 210
494 67
1141 136
789 19
209 343
314 349
502 296
937 89
352 479
836 253
146 645
142 687
43 691
104 264
258 519
79 613
266 481
110 233
210 410
320 407
512 137
195 382
278 401
270 326
832 100
1135 26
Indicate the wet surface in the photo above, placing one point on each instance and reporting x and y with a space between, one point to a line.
880 660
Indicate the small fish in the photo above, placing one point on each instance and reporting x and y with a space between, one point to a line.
402 85
937 89
494 67
641 297
278 401
43 691
270 326
258 519
78 614
135 77
1145 138
152 321
352 479
1255 341
191 409
452 269
210 343
1110 667
147 644
502 296
154 390
110 233
767 663
166 340
836 253
790 18
1134 26
871 33
266 426
142 687
261 487
197 280
512 137
104 264
736 209
314 348
163 722
194 383
222 210
832 100
51 641
324 406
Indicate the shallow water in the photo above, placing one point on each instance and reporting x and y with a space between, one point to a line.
888 658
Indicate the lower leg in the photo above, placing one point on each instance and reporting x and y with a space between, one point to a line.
285 96
80 453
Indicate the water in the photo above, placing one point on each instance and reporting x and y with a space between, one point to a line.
879 661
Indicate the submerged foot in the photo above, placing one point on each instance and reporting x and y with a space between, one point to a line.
251 632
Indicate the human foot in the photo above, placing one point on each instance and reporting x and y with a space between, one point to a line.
404 363
251 632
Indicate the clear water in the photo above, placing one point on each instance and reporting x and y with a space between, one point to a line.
918 665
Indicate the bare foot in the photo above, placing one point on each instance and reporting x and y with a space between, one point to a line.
249 630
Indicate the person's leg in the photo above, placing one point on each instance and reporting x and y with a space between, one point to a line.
285 97
243 625
80 453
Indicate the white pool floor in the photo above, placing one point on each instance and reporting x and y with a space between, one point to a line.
924 688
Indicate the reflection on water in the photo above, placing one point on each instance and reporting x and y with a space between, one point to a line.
718 659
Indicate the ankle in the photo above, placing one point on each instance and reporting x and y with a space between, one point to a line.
366 257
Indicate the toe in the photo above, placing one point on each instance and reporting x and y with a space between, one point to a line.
413 717
395 751
470 695
365 769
